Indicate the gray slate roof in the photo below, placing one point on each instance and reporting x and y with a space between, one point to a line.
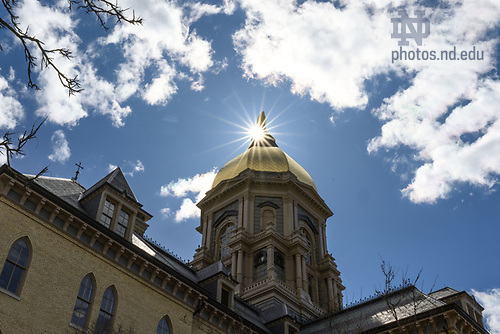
406 302
443 293
212 270
67 189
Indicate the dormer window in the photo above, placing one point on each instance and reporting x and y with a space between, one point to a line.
107 213
115 218
123 220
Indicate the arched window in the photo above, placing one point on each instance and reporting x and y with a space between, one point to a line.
83 302
163 326
308 242
267 216
15 267
225 250
104 321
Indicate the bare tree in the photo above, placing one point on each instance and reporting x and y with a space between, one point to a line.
102 9
10 149
403 299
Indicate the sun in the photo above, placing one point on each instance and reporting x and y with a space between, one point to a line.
257 132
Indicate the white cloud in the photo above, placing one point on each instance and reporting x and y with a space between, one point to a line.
56 26
448 115
165 42
139 167
135 167
60 147
187 210
12 110
490 300
182 188
339 49
111 168
166 212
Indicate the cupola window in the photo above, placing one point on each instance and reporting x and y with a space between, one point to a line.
225 250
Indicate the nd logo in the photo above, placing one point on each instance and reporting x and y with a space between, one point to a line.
419 27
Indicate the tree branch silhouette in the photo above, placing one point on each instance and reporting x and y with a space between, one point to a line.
102 9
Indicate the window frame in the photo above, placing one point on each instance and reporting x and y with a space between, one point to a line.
223 233
119 225
15 264
90 302
106 312
165 319
103 214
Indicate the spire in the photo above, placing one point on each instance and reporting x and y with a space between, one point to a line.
261 136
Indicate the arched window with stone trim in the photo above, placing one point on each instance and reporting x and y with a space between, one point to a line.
163 326
309 244
224 249
16 266
83 302
267 217
108 305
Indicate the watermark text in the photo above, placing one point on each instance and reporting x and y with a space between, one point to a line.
433 55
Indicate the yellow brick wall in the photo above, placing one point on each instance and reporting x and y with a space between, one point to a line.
58 264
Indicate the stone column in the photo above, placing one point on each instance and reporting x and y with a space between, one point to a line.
298 270
116 216
331 304
239 270
233 265
270 261
305 283
130 226
241 211
335 295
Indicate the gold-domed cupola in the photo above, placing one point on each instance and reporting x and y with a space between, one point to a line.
264 155
265 221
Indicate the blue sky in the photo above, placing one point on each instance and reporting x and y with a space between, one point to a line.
405 152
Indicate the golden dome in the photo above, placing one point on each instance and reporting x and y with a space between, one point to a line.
263 155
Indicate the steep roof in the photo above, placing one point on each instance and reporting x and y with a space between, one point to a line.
116 180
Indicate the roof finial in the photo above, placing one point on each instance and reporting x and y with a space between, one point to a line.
79 165
262 137
261 121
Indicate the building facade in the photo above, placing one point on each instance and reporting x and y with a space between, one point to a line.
75 260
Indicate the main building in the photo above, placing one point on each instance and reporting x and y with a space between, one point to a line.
75 260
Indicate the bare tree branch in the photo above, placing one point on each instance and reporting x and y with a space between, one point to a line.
102 9
9 149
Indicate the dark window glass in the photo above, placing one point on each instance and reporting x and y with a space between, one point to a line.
72 230
15 266
86 238
107 213
135 267
225 250
30 205
15 196
163 327
224 297
59 222
83 301
103 325
44 213
123 219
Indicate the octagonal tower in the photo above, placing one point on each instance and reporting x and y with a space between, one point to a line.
264 219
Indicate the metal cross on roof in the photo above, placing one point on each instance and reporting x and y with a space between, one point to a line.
79 165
